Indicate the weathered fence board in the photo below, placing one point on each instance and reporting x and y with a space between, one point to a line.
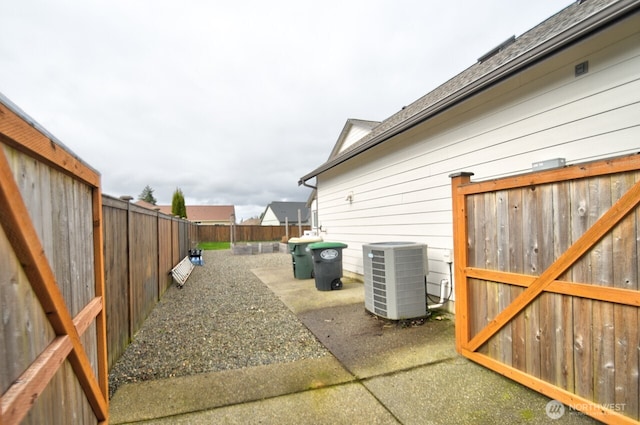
625 275
116 276
165 253
548 264
54 362
141 246
143 251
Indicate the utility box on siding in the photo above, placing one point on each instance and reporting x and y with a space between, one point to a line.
394 279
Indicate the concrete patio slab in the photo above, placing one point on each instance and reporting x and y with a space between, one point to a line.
174 396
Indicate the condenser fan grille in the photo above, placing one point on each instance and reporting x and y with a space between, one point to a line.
394 276
379 283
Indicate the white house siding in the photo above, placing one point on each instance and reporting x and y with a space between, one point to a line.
270 219
401 189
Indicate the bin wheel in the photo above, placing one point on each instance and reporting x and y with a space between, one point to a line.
336 284
313 275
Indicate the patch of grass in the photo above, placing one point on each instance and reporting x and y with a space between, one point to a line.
210 246
527 414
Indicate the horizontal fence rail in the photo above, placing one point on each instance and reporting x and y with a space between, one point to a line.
547 276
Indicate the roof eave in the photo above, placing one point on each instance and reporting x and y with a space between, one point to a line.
554 44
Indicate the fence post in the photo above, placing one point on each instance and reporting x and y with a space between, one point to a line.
286 226
129 267
161 282
459 210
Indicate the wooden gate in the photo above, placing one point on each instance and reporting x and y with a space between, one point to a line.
53 362
547 272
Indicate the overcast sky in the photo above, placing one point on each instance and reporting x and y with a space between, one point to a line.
233 101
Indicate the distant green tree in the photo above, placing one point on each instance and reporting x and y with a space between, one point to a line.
177 204
147 195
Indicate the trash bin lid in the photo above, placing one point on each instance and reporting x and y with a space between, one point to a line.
307 239
323 245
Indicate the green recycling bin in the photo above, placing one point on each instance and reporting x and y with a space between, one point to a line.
301 257
327 264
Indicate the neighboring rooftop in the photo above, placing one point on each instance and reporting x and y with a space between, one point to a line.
279 212
205 214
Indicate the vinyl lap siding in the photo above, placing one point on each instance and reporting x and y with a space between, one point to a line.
401 189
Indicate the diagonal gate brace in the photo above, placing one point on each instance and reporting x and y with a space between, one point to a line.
22 235
600 228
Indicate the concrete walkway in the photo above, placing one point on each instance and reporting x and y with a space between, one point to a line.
378 373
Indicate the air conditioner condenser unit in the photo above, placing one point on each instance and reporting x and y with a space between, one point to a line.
394 279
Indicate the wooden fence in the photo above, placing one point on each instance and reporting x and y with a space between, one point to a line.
247 233
53 361
140 248
547 282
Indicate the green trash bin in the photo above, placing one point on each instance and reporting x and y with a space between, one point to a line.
327 264
301 257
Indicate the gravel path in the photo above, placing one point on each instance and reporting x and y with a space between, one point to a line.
223 318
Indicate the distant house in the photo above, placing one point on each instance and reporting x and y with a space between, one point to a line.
279 213
147 205
201 214
211 214
568 88
251 222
